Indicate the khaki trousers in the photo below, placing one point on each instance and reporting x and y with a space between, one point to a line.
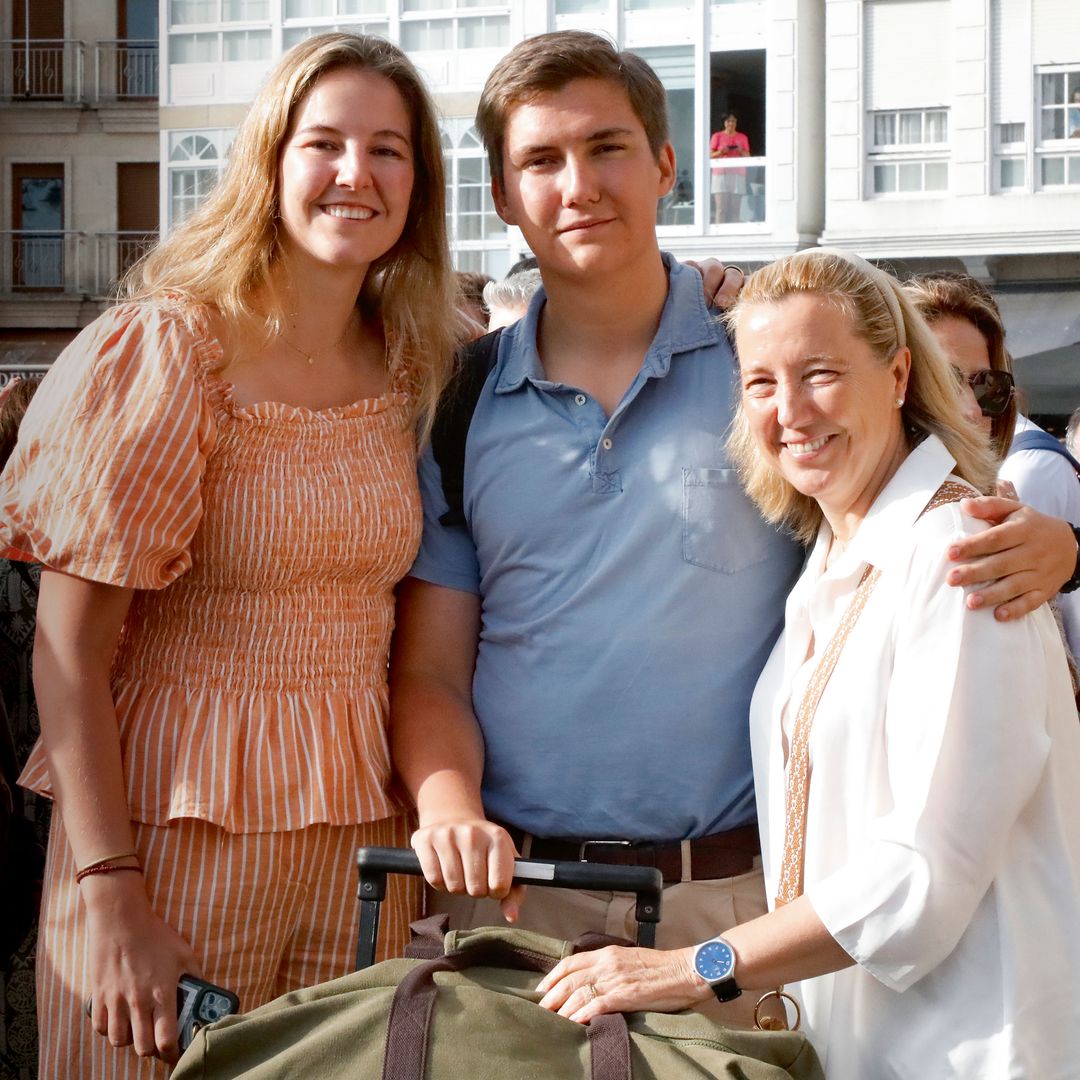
692 912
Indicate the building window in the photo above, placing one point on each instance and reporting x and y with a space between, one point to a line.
1060 105
675 67
1058 150
1010 155
580 7
477 32
908 177
909 151
209 12
911 127
477 233
737 149
196 159
228 46
293 35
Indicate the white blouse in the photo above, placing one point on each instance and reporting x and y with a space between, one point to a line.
943 826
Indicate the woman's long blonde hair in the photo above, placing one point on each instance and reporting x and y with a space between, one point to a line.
223 254
932 401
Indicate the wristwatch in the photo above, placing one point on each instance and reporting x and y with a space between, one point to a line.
714 961
1074 582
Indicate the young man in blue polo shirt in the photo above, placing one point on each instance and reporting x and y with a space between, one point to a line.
576 664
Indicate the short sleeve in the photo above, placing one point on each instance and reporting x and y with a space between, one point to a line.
104 482
447 554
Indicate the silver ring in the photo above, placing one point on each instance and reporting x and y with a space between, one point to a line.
591 988
742 272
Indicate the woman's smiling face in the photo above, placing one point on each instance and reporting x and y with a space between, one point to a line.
821 406
346 172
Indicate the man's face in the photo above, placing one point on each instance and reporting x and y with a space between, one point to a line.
580 181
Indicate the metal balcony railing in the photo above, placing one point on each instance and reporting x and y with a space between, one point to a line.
115 254
126 70
45 260
42 70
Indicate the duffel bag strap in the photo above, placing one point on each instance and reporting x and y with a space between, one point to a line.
408 1030
426 937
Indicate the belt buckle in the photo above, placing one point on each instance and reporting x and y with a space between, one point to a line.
584 846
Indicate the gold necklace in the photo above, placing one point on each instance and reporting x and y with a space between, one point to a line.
310 356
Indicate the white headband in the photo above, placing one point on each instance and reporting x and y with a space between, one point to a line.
882 280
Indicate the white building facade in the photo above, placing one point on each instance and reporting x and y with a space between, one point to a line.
79 134
926 133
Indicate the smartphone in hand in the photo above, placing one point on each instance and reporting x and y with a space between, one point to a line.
198 1003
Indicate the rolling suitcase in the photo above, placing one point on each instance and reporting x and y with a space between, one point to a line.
464 1008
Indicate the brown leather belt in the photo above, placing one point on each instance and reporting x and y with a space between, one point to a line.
721 855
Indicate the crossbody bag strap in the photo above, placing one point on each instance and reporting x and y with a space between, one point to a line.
790 884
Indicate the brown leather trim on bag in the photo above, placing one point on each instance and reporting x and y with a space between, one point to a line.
408 1029
426 937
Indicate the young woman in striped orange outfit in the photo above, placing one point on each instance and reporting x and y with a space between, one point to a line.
219 477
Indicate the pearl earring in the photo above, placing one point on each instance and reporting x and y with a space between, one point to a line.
899 402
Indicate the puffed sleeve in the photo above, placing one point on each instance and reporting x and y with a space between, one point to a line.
104 482
447 554
966 728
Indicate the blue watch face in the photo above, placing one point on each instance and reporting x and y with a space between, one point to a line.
714 961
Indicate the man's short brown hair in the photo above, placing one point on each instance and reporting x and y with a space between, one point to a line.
547 63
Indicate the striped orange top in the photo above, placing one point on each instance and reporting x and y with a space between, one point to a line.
264 542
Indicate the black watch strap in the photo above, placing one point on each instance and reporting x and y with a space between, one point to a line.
1074 582
727 990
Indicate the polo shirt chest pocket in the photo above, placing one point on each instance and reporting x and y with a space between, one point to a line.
722 529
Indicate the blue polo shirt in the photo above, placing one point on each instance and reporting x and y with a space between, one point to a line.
630 590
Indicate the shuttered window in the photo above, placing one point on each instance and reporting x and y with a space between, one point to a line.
1055 31
908 53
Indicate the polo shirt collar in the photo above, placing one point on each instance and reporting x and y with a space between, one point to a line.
685 324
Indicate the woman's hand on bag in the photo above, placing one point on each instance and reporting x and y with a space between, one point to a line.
472 856
136 960
621 979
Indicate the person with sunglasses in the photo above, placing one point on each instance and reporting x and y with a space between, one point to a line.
967 323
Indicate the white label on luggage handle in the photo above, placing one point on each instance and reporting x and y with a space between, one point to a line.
534 871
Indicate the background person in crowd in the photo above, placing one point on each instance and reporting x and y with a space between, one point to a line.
473 307
508 300
924 863
24 816
967 323
220 479
729 184
574 665
1072 434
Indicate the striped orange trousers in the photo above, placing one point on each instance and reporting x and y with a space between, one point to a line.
264 912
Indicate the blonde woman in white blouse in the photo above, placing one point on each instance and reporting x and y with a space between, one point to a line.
918 805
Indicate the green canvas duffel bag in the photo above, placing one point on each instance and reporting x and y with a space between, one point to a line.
471 1014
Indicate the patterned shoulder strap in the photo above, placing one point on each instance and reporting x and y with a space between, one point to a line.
790 884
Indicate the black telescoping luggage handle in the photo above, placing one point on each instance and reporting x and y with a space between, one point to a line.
374 863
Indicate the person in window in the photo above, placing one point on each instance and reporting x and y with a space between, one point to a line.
1074 115
219 477
924 873
728 184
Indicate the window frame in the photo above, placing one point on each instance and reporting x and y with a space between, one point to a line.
894 155
1064 148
